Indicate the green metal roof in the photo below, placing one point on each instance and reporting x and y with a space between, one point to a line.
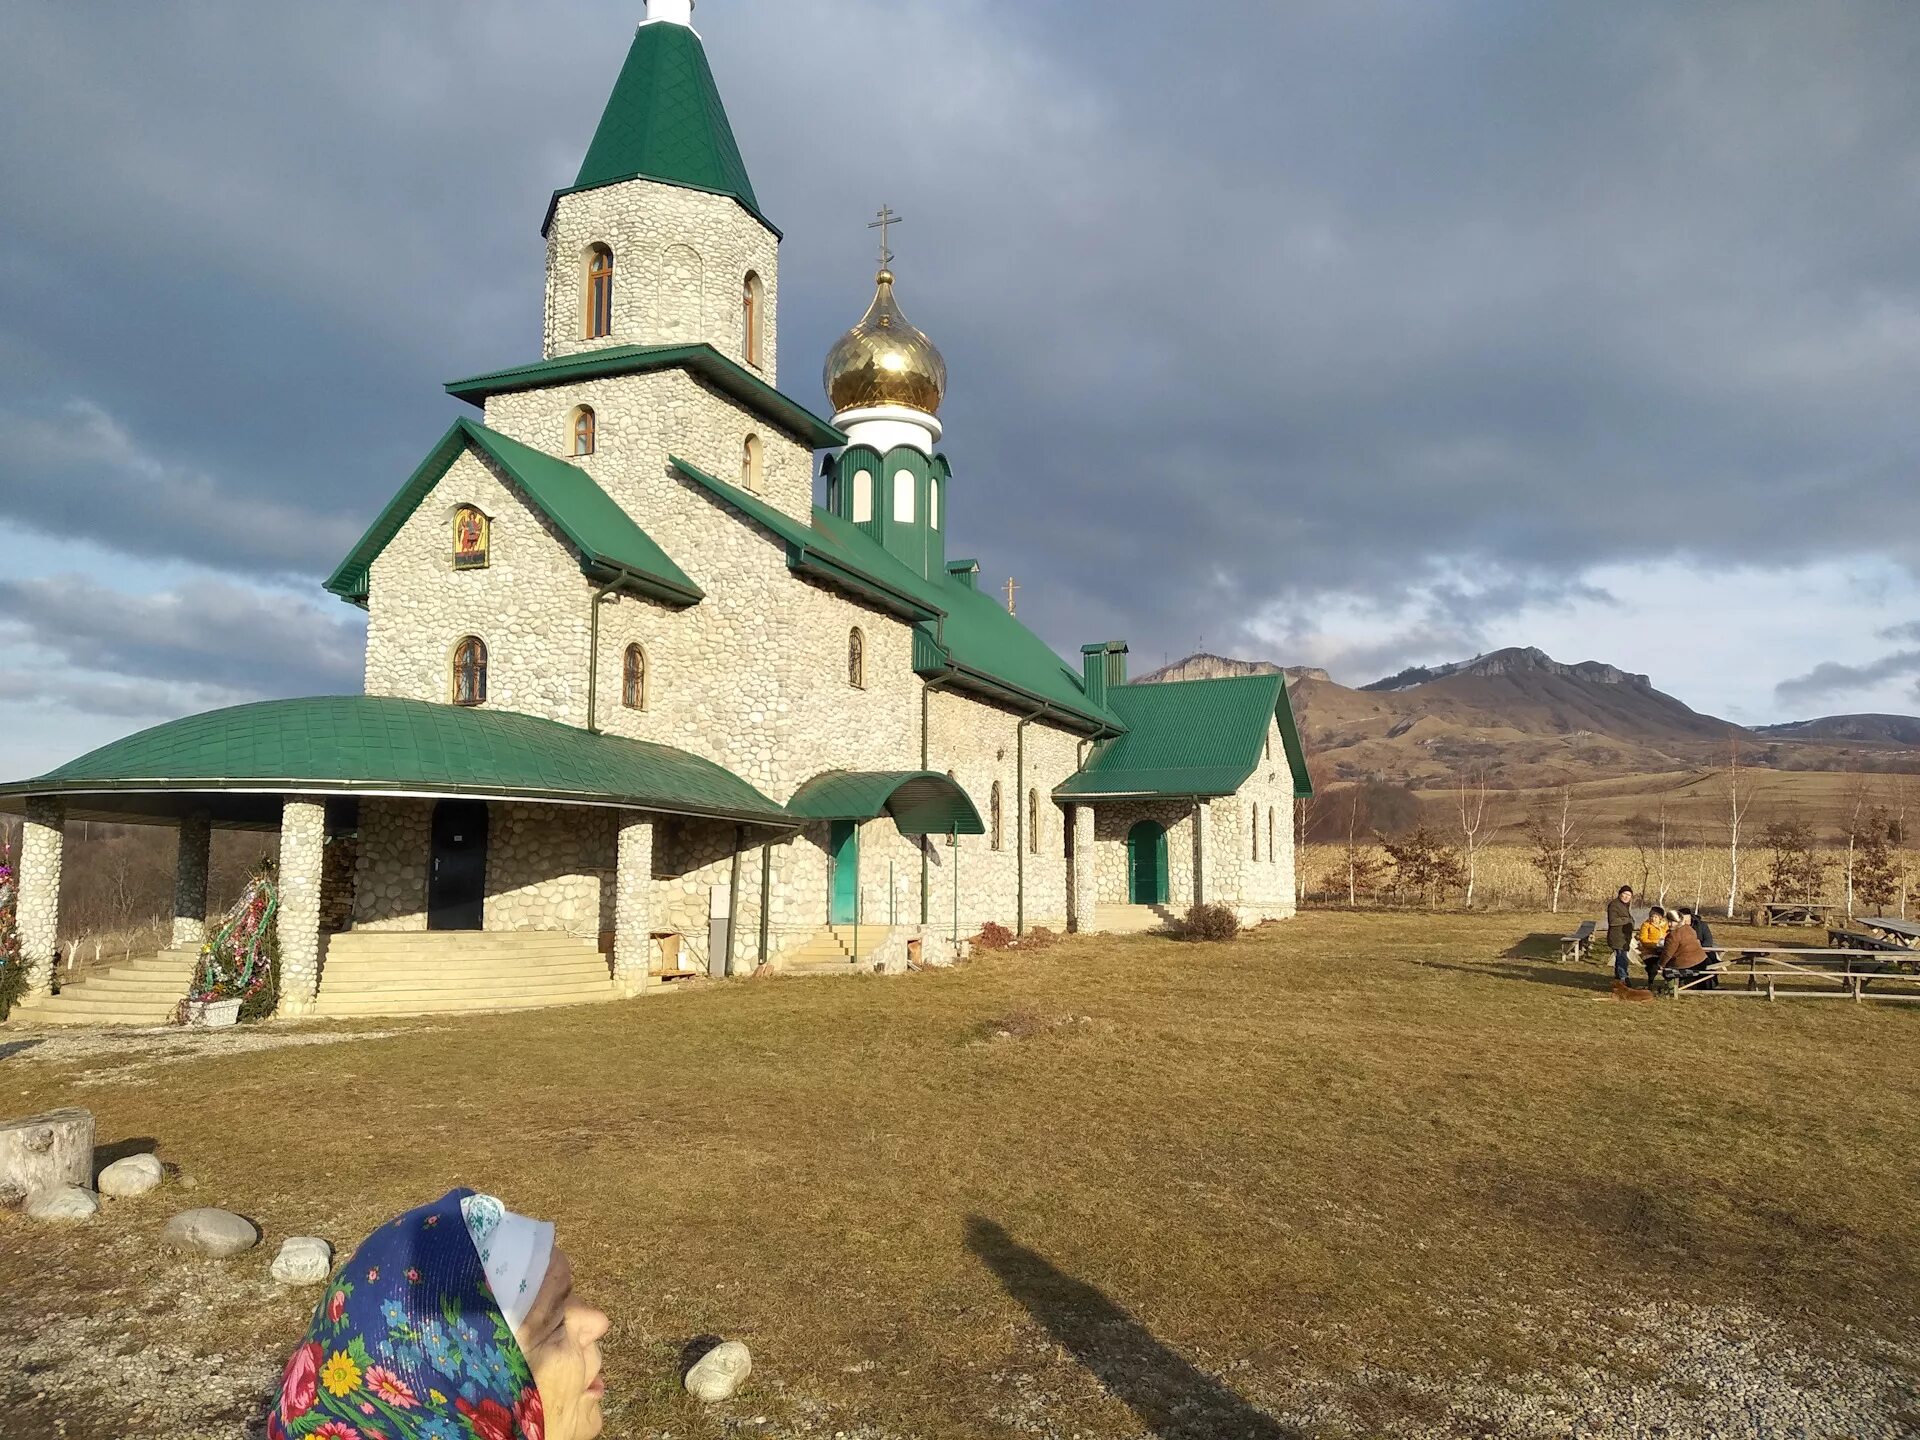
665 121
601 533
702 360
920 801
966 636
362 744
1192 737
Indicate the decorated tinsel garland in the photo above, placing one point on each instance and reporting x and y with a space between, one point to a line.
236 962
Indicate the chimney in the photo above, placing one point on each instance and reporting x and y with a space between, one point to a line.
1105 668
965 572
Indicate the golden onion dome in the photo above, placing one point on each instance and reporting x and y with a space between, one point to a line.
884 360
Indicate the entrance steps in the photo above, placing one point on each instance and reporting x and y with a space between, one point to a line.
143 992
1132 919
831 951
382 973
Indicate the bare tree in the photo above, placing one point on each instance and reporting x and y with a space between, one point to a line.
1306 814
1361 867
1738 790
1473 804
1663 838
1560 850
1856 804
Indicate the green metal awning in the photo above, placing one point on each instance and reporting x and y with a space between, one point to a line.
237 764
920 801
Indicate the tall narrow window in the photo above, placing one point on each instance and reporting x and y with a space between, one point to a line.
633 679
933 504
1033 821
599 292
862 496
753 319
583 431
750 465
856 659
993 816
1256 832
903 496
470 671
1270 833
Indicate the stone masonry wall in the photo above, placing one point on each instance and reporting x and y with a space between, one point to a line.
37 907
547 868
529 605
390 872
1267 890
681 259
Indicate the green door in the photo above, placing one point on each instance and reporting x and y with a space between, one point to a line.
1147 863
843 849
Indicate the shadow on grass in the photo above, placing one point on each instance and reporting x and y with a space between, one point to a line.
1173 1399
14 1047
1597 980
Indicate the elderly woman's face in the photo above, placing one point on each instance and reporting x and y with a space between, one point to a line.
561 1340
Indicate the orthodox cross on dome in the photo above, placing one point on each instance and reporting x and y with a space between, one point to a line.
887 219
1013 589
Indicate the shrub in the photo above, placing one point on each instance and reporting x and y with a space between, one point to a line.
994 937
1038 938
1208 922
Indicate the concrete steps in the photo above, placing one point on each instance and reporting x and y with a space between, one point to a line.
828 953
1132 919
140 992
458 972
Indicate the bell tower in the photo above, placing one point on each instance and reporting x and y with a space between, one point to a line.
660 239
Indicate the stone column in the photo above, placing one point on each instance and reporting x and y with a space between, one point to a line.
1082 896
303 843
633 904
190 883
38 906
1203 885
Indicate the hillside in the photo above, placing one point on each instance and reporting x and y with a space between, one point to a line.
1535 722
1870 729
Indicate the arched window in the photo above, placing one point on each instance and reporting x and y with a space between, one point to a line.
1256 832
470 671
583 430
750 464
753 319
633 679
1033 821
599 292
933 504
862 496
856 659
903 496
993 816
1271 853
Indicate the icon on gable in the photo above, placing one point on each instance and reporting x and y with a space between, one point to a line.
471 533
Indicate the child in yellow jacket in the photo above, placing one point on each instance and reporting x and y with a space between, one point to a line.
1653 937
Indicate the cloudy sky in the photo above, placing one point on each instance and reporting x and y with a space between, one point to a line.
1349 332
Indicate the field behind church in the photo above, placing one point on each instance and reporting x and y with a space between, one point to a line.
1374 1174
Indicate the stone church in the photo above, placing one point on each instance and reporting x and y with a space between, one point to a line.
668 675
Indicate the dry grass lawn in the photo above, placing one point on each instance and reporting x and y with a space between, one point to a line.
1120 1187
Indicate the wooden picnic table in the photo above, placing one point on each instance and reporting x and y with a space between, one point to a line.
1851 968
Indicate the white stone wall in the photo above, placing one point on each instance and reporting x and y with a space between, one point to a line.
529 605
303 840
37 909
633 903
1113 819
548 867
1267 888
681 259
390 870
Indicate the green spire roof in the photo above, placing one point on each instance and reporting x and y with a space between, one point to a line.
665 121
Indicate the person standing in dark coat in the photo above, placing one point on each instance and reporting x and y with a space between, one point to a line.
1620 931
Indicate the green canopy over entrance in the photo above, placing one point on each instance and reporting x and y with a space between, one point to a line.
921 802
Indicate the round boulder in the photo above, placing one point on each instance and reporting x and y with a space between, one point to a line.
720 1373
62 1203
135 1175
215 1233
303 1260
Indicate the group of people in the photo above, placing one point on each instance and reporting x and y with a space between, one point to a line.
1677 943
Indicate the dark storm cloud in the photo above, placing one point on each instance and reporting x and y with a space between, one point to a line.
1281 307
1830 678
237 639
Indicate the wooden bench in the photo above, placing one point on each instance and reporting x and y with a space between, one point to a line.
1840 973
1579 945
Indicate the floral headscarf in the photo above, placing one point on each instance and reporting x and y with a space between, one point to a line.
410 1344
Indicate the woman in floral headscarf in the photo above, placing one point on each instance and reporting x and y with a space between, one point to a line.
455 1322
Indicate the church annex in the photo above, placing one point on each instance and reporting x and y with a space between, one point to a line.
668 674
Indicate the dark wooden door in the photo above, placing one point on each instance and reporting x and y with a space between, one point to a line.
457 873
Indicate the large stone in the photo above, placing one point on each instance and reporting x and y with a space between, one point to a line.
62 1202
135 1175
303 1260
216 1233
719 1374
